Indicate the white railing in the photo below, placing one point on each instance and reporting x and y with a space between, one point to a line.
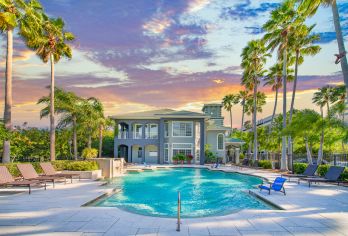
123 135
153 135
137 135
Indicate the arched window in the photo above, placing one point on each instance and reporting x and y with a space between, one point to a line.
220 142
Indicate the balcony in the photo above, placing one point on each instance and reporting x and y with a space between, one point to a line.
123 135
151 135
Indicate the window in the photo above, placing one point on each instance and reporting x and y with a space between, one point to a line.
184 148
182 129
220 142
151 131
166 152
166 129
138 131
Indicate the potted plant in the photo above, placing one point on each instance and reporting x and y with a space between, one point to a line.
189 158
181 158
175 160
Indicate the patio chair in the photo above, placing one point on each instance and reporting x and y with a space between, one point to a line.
7 180
28 172
277 185
332 176
309 172
49 170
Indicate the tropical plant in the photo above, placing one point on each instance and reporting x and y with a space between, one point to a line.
51 45
228 102
253 60
15 14
68 106
310 7
89 153
243 95
282 23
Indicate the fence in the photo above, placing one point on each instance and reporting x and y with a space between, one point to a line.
339 159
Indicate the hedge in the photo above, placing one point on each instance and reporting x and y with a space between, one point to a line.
265 164
299 168
58 165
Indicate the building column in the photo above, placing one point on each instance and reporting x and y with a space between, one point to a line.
143 131
130 128
237 154
115 148
161 141
143 154
202 141
130 153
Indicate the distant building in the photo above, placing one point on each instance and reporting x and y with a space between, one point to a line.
156 136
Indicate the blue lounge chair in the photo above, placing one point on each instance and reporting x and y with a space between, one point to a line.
277 185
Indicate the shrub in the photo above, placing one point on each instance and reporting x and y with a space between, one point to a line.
241 156
322 169
189 157
82 165
344 175
265 164
299 168
89 153
180 157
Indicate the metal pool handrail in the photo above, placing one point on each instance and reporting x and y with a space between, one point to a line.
179 209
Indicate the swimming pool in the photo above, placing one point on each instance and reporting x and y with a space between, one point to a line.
203 192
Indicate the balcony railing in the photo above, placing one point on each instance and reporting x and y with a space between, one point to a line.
153 135
137 135
123 135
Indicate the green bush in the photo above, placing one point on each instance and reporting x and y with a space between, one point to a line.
241 156
89 153
299 168
322 169
180 157
265 164
12 168
344 175
82 165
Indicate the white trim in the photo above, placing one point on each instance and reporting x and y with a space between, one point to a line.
192 145
166 136
173 122
217 142
134 130
148 132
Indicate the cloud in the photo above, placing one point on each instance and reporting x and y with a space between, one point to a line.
196 5
157 25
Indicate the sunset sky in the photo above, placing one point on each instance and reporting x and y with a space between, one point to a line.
138 55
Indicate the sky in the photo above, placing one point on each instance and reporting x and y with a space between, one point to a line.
138 55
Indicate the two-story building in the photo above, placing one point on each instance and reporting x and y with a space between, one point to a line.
156 136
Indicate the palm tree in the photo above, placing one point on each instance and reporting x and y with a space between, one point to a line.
323 98
310 7
283 21
253 60
228 102
274 79
243 95
69 107
51 46
301 41
13 14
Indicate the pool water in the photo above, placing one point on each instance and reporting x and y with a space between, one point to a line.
203 192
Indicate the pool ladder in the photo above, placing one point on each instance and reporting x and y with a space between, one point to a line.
179 209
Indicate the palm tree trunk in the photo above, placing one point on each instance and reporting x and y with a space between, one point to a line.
75 137
254 123
8 97
100 140
231 120
52 125
283 164
275 105
243 112
294 87
320 152
309 154
341 49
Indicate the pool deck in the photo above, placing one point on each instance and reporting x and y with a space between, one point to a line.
319 210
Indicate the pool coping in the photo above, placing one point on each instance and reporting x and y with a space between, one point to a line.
249 191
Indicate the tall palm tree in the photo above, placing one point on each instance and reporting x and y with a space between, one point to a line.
254 57
274 79
243 95
13 14
228 102
322 98
69 107
310 7
51 45
283 21
301 42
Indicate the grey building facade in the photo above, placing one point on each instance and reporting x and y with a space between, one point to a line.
156 136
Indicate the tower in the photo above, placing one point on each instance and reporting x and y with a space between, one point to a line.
214 111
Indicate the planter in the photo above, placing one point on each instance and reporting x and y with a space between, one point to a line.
189 162
182 162
89 174
175 162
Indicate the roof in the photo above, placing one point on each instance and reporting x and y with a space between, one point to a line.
212 104
162 113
